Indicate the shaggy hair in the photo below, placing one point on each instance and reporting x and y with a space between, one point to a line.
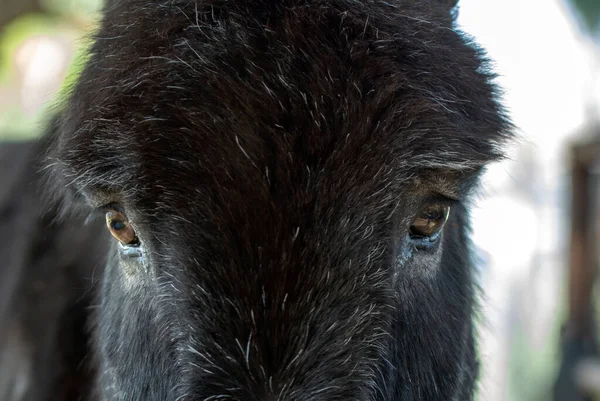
271 156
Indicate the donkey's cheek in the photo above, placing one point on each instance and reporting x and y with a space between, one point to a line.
131 273
411 261
132 266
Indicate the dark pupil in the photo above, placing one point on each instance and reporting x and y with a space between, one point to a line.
117 225
429 221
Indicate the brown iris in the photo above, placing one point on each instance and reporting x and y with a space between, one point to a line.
430 220
120 228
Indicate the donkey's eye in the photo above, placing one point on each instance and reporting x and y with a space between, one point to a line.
120 228
429 221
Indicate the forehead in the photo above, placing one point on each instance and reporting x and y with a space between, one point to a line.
220 97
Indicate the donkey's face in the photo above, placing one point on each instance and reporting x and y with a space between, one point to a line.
285 182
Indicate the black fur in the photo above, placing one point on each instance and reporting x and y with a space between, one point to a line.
45 278
271 156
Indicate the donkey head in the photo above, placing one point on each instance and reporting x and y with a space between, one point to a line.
286 182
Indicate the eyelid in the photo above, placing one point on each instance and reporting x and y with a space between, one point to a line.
452 198
439 199
99 212
112 206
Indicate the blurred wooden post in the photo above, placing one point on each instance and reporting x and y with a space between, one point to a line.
584 246
578 376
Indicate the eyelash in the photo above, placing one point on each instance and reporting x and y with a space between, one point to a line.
99 212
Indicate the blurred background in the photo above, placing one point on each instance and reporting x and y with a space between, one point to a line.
536 223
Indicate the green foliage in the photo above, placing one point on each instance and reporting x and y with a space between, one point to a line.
14 124
70 7
74 19
532 370
589 11
18 31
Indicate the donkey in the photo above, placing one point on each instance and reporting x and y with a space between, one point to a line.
286 183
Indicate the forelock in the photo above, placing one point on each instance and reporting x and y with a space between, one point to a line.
220 85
